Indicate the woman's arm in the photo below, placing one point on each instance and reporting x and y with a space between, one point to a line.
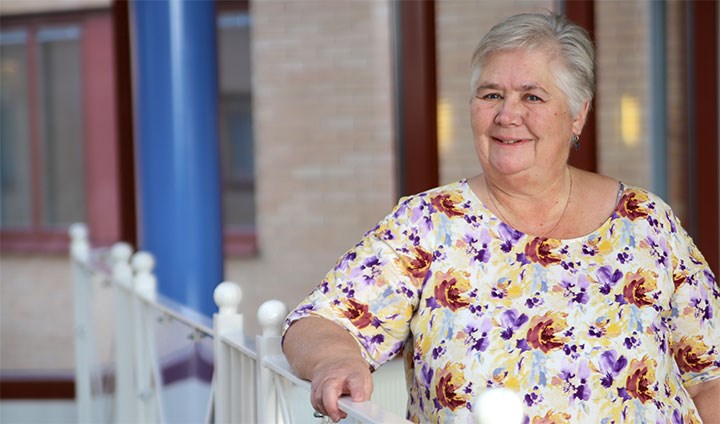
706 397
326 354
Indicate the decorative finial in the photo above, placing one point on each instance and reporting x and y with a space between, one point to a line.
270 316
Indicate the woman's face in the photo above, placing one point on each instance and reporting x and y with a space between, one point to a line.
520 119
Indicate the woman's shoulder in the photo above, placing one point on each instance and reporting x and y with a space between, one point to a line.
455 192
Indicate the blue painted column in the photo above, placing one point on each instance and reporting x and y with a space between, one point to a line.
177 147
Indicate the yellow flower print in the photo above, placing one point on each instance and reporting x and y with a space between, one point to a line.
631 205
641 376
540 250
358 313
544 332
448 203
691 354
552 417
451 287
637 286
419 263
449 386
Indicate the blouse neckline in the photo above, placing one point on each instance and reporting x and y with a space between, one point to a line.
470 194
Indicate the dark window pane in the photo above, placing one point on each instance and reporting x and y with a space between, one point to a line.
237 161
15 171
63 182
235 120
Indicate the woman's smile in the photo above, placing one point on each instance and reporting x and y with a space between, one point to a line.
520 118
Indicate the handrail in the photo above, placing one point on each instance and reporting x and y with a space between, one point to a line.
251 376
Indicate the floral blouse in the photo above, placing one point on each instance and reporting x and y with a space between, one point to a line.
604 328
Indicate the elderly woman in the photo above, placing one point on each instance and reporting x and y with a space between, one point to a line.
582 294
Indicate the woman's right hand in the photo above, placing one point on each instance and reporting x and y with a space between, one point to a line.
326 354
338 376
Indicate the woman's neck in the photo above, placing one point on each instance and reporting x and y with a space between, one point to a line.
536 207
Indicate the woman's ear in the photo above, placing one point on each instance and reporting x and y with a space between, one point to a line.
579 120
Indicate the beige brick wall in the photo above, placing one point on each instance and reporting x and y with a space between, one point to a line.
323 104
36 314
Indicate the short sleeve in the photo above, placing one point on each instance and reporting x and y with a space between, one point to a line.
371 291
695 322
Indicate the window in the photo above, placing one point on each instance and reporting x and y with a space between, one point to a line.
42 181
15 188
236 131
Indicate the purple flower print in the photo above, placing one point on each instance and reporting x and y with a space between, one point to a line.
631 342
438 351
521 259
509 236
427 224
478 245
531 399
701 305
324 287
577 292
523 345
608 278
511 322
659 250
477 335
371 262
387 235
624 257
611 365
418 212
677 417
343 264
432 303
426 374
371 342
576 380
673 228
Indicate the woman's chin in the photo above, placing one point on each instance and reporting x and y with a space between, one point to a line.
508 167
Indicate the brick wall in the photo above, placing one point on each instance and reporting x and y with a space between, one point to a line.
323 105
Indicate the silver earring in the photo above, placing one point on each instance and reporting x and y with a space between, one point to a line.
576 141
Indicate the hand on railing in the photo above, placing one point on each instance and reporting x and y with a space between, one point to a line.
498 406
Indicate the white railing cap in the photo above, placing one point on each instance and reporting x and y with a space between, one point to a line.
227 296
498 405
270 316
78 231
120 252
143 262
79 243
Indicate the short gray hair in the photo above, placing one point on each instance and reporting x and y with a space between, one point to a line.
545 31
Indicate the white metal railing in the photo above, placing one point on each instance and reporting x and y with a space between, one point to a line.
252 381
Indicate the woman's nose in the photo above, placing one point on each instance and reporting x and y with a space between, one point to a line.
509 113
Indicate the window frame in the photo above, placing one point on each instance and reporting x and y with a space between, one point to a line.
238 241
99 139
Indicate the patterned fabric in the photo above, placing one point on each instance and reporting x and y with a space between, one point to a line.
605 328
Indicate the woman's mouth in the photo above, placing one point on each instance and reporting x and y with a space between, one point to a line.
509 141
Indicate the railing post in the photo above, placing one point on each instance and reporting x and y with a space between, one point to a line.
270 316
147 374
122 275
80 257
227 296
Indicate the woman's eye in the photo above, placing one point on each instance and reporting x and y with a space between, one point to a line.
491 96
533 98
